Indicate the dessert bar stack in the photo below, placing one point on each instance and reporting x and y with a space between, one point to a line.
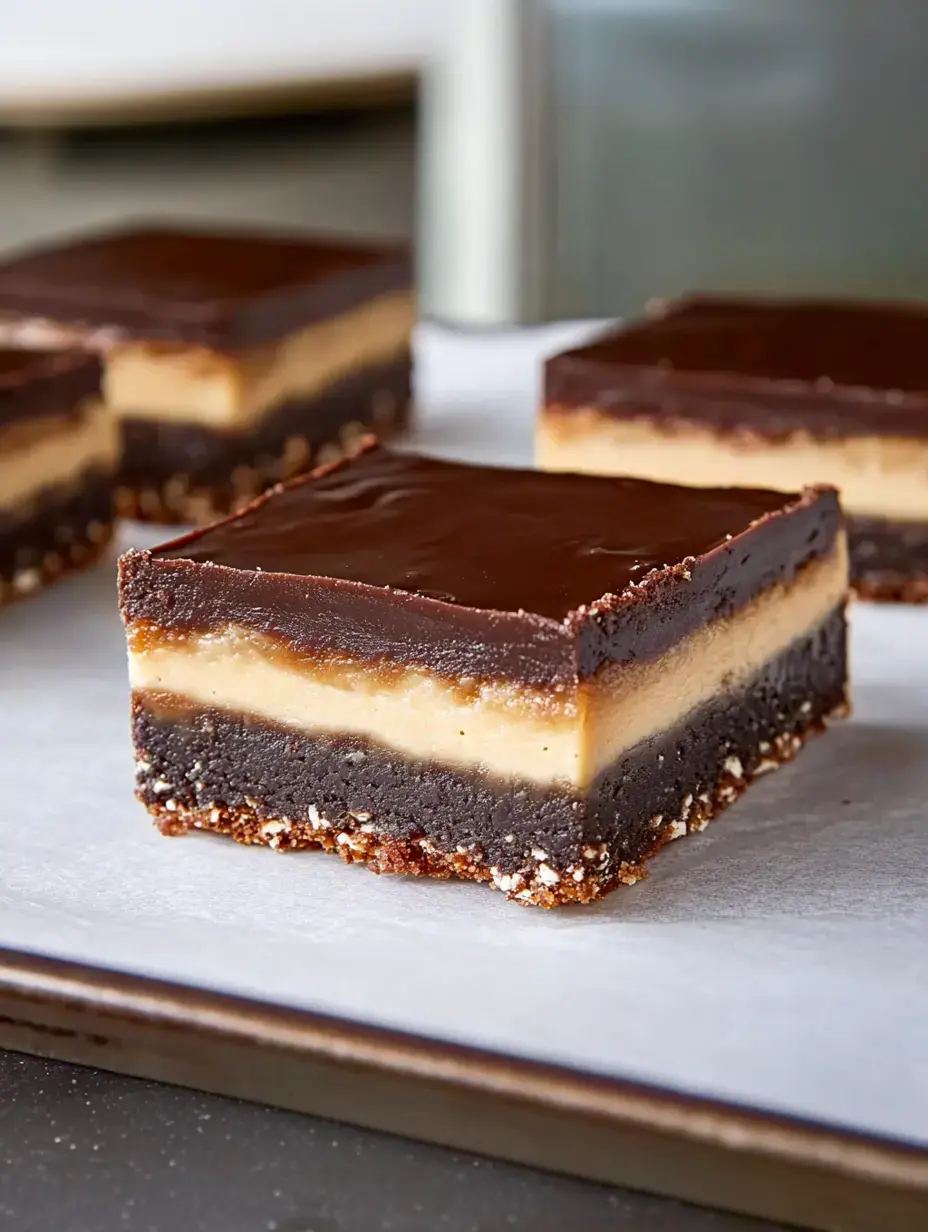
230 359
531 679
764 393
59 452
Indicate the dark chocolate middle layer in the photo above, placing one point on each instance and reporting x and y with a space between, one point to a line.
213 757
479 571
157 451
41 383
55 520
770 367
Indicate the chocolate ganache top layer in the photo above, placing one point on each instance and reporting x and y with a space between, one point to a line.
832 368
218 288
40 383
479 570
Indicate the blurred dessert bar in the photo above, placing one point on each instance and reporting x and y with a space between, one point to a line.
529 679
718 392
232 359
59 450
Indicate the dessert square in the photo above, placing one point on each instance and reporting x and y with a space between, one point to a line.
231 359
59 451
764 393
530 679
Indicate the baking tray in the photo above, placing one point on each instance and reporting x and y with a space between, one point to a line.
746 1028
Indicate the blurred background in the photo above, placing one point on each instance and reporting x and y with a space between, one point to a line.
297 112
555 158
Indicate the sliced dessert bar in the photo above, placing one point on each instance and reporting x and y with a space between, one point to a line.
764 393
232 359
59 451
525 678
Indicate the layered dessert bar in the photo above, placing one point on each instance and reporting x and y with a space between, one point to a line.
231 359
59 451
529 679
720 392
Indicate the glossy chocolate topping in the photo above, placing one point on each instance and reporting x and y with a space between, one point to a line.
834 368
223 289
479 570
35 383
481 537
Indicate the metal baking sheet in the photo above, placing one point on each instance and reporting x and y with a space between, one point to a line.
777 961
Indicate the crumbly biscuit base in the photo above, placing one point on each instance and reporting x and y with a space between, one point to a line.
538 883
84 550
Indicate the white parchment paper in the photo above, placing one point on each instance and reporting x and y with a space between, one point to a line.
780 959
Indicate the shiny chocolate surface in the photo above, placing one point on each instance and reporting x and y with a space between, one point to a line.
479 537
218 288
831 368
475 571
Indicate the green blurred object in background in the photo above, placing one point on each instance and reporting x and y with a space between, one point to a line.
584 155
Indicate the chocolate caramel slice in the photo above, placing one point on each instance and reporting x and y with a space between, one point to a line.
764 393
231 359
59 453
530 679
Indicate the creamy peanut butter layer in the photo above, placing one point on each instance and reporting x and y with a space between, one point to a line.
715 392
527 678
181 384
877 476
54 452
178 384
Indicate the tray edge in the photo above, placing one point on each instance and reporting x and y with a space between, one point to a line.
541 1115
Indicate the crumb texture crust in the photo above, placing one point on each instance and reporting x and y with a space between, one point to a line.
63 530
180 472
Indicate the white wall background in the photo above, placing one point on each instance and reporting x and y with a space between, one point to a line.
64 50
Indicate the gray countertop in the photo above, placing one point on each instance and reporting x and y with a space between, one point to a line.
85 1151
